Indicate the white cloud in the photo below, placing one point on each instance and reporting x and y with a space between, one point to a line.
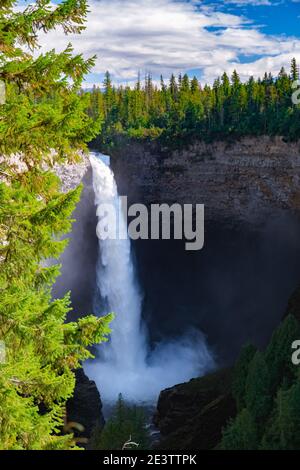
166 36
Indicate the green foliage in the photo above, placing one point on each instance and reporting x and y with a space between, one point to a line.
278 352
183 109
266 387
241 434
43 122
258 390
283 430
241 374
124 429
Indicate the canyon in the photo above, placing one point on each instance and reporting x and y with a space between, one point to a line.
235 290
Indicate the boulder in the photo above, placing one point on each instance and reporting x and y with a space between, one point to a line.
192 415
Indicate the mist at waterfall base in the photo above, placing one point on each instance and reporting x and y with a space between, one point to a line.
126 364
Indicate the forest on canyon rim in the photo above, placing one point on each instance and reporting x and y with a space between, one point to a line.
47 119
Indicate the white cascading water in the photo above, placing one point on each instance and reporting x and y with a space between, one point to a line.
125 364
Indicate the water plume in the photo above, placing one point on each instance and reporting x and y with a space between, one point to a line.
126 364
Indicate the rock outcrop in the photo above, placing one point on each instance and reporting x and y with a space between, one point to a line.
85 407
192 415
240 181
72 174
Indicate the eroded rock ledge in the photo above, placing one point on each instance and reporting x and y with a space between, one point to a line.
245 180
72 174
192 415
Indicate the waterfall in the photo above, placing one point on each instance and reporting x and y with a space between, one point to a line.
116 279
125 364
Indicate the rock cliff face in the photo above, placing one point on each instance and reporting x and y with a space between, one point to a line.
78 273
71 175
242 181
192 415
235 290
85 407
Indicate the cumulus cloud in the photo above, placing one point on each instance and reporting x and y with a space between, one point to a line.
165 36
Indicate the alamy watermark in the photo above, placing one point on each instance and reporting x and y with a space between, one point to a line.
296 353
161 221
296 94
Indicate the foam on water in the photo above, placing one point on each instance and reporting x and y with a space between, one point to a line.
125 364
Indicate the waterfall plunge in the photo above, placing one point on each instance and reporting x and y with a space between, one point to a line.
126 365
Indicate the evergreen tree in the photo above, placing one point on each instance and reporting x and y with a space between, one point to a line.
240 375
107 83
226 84
235 80
162 84
173 87
241 433
138 83
108 97
195 86
185 84
125 429
269 401
278 353
42 122
283 430
185 109
294 70
258 396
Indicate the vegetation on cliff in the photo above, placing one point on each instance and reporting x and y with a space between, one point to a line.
125 429
42 122
266 387
183 108
255 406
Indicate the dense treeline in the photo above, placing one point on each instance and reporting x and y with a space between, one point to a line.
182 108
266 388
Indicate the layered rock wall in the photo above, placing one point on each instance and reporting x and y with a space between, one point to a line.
243 181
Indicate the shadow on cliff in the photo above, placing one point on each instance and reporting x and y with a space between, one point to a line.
78 273
234 290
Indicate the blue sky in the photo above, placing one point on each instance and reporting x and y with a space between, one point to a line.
195 36
275 17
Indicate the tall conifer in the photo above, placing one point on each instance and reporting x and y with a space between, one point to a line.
42 122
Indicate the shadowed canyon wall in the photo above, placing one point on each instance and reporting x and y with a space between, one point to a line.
235 289
78 273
